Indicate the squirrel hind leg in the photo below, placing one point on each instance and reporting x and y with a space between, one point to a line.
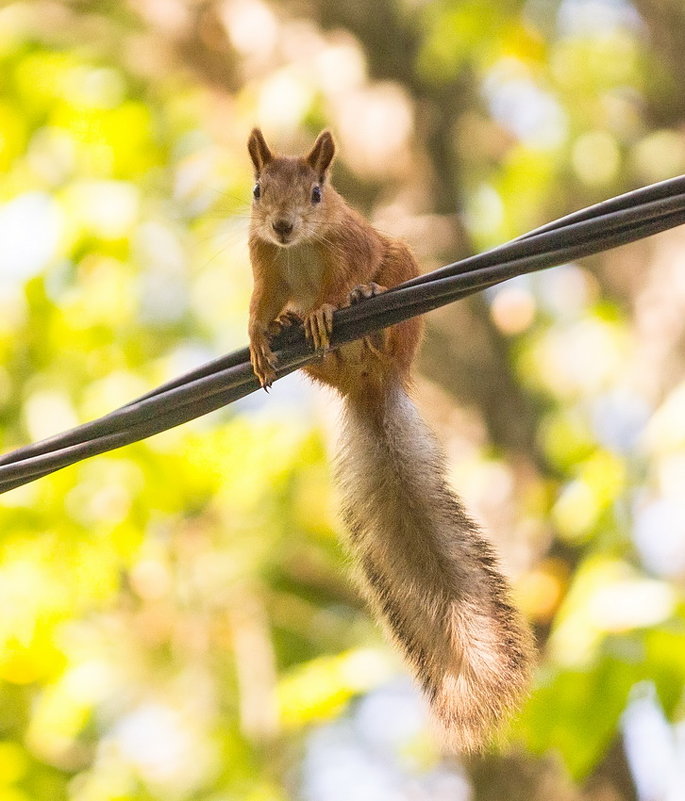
353 369
365 291
376 342
288 319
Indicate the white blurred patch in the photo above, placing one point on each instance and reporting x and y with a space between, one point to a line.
666 430
608 596
341 66
523 108
391 717
160 742
162 287
284 99
371 756
30 227
655 751
48 412
566 291
108 208
631 604
90 681
659 536
485 210
596 158
619 418
592 17
375 125
584 357
251 26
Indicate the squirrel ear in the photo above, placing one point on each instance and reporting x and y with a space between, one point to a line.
259 150
321 155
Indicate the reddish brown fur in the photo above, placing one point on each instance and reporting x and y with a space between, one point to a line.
426 569
352 253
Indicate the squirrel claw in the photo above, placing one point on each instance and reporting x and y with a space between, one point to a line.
318 326
266 378
364 291
263 360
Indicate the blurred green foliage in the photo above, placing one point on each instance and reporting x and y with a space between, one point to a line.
178 617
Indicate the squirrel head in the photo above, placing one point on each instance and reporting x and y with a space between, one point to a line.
291 194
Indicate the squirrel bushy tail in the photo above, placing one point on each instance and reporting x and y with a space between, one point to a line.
428 572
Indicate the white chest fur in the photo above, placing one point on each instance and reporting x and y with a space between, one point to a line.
302 267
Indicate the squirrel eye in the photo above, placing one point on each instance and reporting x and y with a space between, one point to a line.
257 192
316 194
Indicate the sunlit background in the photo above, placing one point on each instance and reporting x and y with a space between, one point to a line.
178 620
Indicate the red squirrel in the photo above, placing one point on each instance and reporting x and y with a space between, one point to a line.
428 573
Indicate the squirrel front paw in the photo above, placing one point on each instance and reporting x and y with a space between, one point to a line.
364 291
263 359
318 326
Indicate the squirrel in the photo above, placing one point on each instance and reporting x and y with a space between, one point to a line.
425 568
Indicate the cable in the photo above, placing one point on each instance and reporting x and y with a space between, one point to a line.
626 218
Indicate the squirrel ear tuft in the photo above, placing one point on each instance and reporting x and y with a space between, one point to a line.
259 151
321 155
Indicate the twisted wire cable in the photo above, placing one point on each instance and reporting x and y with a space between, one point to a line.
618 221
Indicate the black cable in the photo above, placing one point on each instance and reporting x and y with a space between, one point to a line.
605 225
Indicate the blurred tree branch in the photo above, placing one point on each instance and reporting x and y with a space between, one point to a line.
664 20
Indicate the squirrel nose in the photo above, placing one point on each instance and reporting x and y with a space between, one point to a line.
282 227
